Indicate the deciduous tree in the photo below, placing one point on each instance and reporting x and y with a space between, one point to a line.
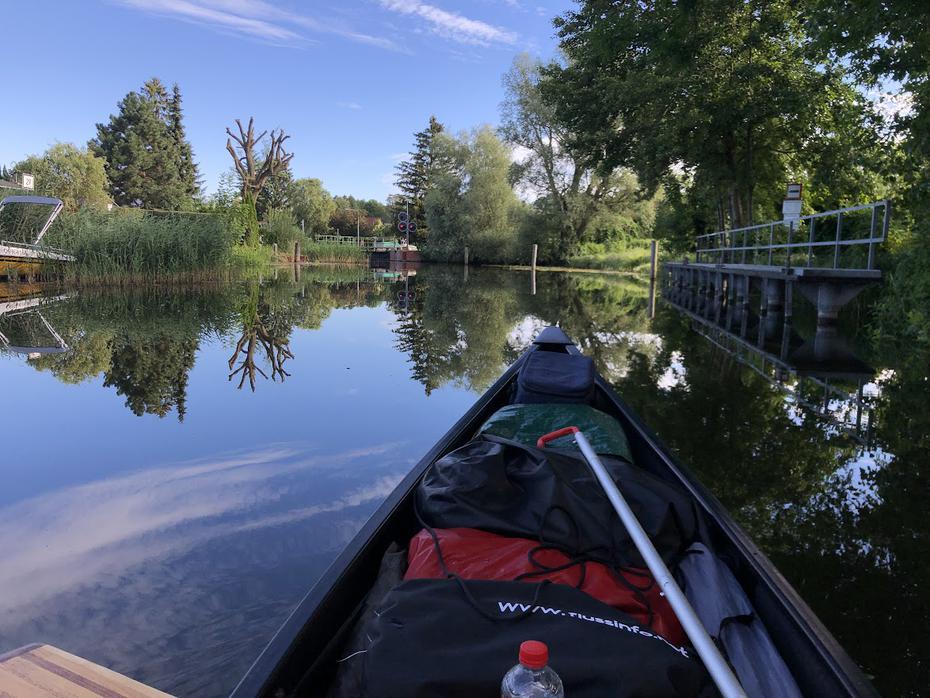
312 205
74 175
471 201
726 94
573 188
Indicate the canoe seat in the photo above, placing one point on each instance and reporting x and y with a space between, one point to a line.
526 423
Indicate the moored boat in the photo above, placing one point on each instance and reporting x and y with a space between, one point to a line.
22 260
354 615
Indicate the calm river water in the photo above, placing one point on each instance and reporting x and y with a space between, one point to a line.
180 466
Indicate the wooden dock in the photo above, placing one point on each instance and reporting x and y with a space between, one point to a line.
40 671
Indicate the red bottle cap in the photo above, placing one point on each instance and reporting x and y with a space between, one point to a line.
534 654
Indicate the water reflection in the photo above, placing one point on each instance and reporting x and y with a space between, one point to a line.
23 327
821 374
150 543
144 342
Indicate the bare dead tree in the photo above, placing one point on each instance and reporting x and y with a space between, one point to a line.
253 173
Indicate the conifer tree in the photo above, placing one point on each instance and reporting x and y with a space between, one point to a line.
143 151
187 168
415 177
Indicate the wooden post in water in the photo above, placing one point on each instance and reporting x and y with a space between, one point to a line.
466 255
297 252
533 272
653 258
652 298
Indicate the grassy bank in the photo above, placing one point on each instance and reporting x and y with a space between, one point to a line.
630 257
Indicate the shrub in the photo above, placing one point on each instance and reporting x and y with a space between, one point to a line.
280 228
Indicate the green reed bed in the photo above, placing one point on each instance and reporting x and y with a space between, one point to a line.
330 253
132 245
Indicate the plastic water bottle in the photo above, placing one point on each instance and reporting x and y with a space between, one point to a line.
532 678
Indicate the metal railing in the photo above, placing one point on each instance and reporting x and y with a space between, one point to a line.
777 243
367 243
30 246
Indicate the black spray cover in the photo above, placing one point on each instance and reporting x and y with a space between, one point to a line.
514 490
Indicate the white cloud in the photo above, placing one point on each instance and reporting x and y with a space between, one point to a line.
256 19
80 535
349 105
452 26
196 12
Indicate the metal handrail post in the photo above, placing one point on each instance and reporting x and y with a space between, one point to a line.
839 233
871 257
887 220
810 243
771 241
788 249
745 234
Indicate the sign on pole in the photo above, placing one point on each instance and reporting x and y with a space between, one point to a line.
791 206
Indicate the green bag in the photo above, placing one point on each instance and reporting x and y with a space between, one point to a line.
526 423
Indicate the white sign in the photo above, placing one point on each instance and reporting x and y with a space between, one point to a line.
794 191
791 210
28 181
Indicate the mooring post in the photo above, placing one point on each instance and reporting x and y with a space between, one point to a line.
466 255
533 264
297 252
653 257
652 298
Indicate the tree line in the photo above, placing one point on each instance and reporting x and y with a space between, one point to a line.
141 158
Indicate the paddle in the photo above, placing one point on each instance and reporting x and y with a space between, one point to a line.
717 666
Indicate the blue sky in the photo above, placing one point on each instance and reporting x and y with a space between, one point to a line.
350 81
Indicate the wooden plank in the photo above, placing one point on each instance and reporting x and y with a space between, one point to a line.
126 686
45 683
41 671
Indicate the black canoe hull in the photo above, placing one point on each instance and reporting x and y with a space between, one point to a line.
299 657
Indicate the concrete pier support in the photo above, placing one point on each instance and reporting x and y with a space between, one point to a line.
775 296
829 297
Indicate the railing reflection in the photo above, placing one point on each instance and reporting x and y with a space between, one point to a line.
820 374
25 330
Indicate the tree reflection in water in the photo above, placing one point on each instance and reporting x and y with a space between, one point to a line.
264 328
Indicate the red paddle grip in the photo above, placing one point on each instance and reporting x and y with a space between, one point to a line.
564 431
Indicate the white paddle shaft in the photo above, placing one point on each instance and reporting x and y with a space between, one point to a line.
717 666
